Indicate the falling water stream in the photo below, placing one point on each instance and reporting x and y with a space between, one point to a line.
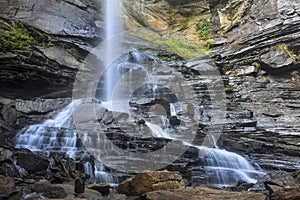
58 134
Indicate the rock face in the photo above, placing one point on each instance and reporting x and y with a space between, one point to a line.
203 193
269 40
42 46
151 181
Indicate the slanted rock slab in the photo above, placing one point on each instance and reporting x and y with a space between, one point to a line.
150 181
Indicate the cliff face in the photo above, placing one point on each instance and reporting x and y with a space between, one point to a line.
42 46
264 32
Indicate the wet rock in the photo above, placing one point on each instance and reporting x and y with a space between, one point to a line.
201 193
151 181
31 162
46 189
174 121
108 117
7 184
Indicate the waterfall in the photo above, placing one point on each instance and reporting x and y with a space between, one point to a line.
225 168
113 26
59 133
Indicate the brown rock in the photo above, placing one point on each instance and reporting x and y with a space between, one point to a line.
7 184
287 193
150 181
203 193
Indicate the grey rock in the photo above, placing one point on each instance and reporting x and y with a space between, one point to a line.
41 105
276 59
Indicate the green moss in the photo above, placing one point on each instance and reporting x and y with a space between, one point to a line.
285 48
204 29
50 44
256 64
71 49
178 45
17 38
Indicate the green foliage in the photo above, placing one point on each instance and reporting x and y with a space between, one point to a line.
71 49
178 45
204 28
185 23
285 48
209 42
18 38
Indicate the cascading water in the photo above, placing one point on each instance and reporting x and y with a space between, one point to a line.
225 168
59 134
55 134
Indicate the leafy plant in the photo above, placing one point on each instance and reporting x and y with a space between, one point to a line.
204 28
285 48
209 42
185 23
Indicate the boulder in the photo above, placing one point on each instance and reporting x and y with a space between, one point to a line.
150 181
49 190
102 188
276 59
203 193
32 162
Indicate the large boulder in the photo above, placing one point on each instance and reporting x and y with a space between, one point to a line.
31 162
150 181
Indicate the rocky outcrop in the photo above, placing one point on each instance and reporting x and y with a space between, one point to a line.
267 40
151 181
55 17
270 103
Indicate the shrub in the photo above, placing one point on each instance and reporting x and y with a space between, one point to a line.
204 28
